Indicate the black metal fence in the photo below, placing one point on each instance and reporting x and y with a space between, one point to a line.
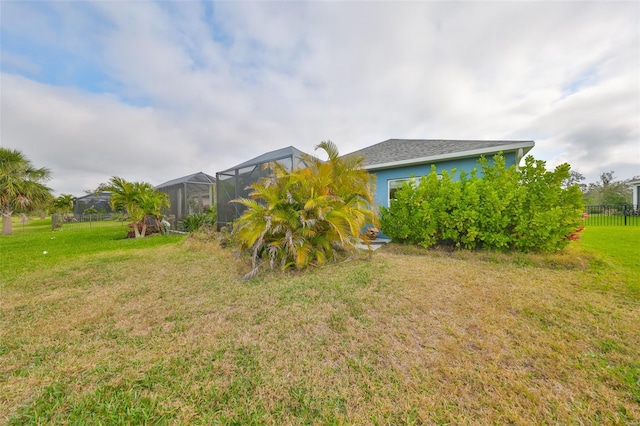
86 221
615 215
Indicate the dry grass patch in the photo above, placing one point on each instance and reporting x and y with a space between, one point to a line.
170 335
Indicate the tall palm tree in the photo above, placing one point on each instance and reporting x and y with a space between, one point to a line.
21 186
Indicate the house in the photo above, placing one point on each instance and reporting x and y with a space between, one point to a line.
394 161
233 183
188 195
635 187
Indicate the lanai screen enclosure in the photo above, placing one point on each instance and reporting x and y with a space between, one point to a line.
234 182
99 201
188 195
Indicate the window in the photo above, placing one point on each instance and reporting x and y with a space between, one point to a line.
395 184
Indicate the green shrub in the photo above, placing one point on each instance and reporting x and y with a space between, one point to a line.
212 214
522 209
196 221
193 222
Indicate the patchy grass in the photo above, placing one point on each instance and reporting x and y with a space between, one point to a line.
165 333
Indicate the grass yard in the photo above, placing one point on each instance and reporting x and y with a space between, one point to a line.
619 248
162 331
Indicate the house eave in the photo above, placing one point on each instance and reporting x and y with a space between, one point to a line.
526 146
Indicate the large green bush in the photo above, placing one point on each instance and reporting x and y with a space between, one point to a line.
505 208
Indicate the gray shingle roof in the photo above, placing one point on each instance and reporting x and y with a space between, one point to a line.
415 151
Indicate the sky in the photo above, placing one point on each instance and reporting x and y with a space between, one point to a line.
153 91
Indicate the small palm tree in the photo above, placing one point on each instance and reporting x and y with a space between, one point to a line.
139 199
21 186
152 203
307 216
63 203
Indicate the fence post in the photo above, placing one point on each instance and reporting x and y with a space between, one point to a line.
625 215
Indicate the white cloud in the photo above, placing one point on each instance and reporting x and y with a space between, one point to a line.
80 134
192 91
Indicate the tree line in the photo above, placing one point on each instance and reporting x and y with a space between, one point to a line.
607 190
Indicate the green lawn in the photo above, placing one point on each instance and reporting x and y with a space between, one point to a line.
106 330
619 247
37 247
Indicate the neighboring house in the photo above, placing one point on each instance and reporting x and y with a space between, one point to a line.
188 195
233 183
98 201
395 161
635 187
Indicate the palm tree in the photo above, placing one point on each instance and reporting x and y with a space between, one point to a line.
308 215
139 199
152 202
63 203
21 186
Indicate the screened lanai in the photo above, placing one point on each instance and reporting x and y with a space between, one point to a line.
233 183
98 201
188 195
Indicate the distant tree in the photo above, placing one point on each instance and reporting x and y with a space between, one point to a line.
575 178
608 191
21 186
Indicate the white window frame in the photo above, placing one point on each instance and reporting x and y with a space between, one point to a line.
397 184
399 181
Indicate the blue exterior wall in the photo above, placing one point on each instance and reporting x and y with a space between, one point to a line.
466 164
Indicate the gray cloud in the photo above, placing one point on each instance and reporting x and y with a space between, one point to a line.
185 97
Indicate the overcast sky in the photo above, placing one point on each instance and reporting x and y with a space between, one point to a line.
153 91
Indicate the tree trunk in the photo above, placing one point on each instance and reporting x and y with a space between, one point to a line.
136 231
6 224
144 229
159 226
